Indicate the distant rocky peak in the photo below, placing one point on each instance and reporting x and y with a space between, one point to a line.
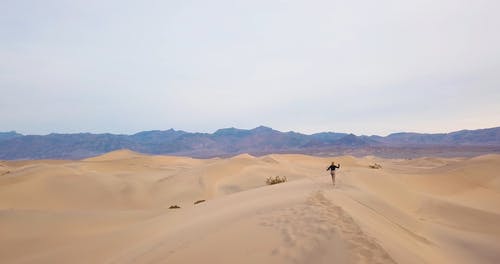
9 135
263 129
229 131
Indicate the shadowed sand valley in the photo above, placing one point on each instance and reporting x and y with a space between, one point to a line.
114 208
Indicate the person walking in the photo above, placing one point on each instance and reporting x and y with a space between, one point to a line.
332 169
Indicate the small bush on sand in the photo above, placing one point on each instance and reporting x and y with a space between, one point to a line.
375 166
174 207
199 201
276 180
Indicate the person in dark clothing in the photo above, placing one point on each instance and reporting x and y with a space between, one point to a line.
332 171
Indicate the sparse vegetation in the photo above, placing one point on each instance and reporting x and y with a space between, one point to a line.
199 201
174 207
276 180
375 166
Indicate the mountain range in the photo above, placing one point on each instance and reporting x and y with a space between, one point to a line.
258 141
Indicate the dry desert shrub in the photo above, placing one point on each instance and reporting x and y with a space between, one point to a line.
199 201
375 166
275 180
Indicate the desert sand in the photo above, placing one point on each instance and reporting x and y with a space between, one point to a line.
115 209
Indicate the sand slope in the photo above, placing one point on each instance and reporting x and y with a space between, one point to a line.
114 209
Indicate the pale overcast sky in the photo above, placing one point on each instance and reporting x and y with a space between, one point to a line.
367 67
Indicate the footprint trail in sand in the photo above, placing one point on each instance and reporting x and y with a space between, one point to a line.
319 231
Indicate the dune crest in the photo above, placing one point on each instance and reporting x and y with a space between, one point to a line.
116 155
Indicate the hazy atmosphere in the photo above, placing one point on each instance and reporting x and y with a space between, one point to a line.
397 104
367 67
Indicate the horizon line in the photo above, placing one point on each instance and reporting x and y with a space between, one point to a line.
232 127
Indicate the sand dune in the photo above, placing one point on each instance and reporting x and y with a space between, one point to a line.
115 209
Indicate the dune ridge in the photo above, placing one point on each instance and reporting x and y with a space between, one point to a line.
114 208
